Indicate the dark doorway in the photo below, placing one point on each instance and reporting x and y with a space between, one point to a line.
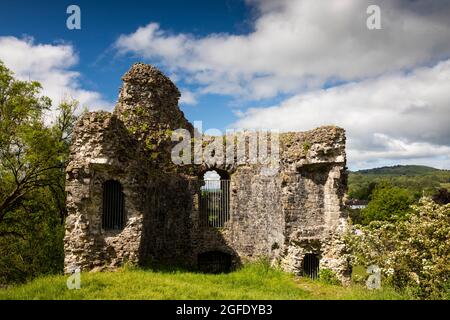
113 204
214 262
311 265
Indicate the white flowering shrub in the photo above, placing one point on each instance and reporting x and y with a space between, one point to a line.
413 254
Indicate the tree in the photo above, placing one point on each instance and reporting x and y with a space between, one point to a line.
413 253
387 203
33 156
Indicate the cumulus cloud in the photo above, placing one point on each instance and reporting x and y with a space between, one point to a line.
50 64
188 97
300 45
400 116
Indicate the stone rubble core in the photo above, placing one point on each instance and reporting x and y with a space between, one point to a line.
280 217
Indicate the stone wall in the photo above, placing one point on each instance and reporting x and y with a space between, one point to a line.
102 150
297 209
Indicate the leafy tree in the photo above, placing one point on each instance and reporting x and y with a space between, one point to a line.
362 191
387 203
32 161
413 253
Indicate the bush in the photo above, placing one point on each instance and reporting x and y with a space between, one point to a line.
413 254
329 277
32 240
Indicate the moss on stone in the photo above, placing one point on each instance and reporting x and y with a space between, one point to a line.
306 146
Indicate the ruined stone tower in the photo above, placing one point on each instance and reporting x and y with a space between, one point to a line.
128 201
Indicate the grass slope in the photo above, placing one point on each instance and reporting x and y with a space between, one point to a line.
399 170
255 281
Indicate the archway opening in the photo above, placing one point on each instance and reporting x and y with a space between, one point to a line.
215 198
214 262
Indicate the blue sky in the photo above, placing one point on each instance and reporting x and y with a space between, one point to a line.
289 65
104 21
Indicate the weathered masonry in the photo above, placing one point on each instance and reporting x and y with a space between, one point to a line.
128 202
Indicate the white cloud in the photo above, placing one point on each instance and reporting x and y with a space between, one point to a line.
50 64
299 45
394 118
188 97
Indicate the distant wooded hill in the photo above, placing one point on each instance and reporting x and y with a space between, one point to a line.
418 180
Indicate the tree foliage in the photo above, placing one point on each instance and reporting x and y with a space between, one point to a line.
418 180
32 161
387 203
413 253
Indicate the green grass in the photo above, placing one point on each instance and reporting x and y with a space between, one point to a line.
255 281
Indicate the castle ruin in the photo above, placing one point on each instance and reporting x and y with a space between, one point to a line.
128 202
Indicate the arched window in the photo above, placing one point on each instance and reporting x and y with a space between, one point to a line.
311 265
113 204
215 199
214 262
